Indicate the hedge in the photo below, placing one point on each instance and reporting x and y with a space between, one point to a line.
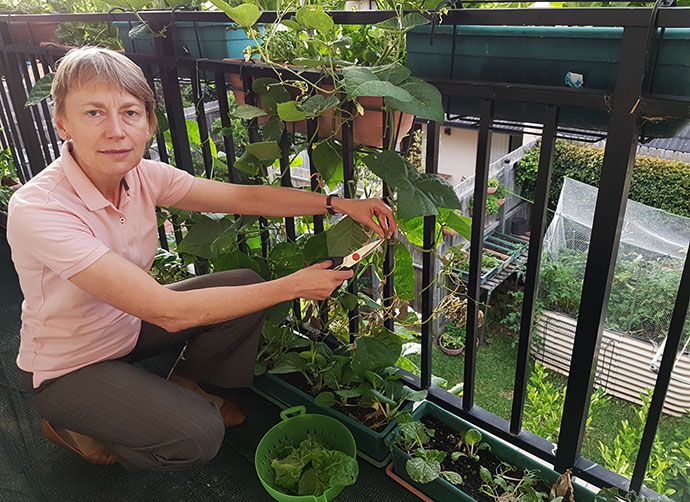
664 184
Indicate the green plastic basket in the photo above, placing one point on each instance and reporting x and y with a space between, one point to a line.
295 426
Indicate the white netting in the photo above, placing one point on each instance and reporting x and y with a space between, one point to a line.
652 250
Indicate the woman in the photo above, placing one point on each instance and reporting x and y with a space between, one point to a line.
83 237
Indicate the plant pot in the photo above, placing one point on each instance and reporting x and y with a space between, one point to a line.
544 56
450 351
500 201
440 489
367 129
491 190
190 39
369 443
33 33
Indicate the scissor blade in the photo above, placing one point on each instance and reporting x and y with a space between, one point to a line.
353 258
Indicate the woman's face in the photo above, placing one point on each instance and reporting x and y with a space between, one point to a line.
108 128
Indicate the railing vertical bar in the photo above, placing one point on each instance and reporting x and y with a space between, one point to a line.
428 260
254 137
46 113
160 139
350 192
35 111
481 178
663 379
616 170
388 262
162 237
200 112
224 110
27 130
286 181
312 128
173 103
537 227
10 129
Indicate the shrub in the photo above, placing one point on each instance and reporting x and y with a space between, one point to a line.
664 184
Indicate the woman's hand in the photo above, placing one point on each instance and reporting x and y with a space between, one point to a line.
316 282
365 210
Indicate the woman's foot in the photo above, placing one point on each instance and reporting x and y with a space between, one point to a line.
232 415
87 447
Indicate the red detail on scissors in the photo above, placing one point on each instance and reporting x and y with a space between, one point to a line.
355 256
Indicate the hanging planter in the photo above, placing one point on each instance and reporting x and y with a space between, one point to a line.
476 450
190 39
573 56
33 33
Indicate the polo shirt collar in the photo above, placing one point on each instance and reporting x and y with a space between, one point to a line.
81 183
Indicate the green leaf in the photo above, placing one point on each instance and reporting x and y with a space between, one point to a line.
40 90
325 399
334 467
424 102
419 194
279 311
313 16
360 81
348 301
140 30
264 150
485 474
273 129
461 224
328 161
292 24
345 236
422 470
286 258
245 15
289 112
318 104
249 164
316 247
248 112
473 436
408 22
289 362
452 477
403 273
395 74
162 119
236 260
379 350
201 235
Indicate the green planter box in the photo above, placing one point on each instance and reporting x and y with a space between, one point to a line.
543 56
369 443
190 39
442 490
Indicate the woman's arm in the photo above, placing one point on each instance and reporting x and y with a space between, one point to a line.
215 196
121 284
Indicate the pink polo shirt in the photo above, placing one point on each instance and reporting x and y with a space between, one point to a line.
58 225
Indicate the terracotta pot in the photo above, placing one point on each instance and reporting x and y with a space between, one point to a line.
449 351
33 33
491 189
500 201
367 129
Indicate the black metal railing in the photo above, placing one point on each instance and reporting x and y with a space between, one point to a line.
32 139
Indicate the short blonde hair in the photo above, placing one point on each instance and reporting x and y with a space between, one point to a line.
88 64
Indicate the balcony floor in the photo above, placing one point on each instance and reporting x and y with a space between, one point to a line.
33 469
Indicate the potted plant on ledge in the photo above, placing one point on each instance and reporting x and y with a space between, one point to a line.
452 340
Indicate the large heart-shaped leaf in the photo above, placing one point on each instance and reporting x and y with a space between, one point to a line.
264 150
423 470
345 236
318 104
425 100
313 16
286 258
289 112
236 260
248 112
290 362
40 90
461 224
198 239
379 350
395 73
403 273
361 81
328 160
245 14
419 194
249 164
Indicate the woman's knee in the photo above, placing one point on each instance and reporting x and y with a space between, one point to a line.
238 277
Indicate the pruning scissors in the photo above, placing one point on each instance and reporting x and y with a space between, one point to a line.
350 260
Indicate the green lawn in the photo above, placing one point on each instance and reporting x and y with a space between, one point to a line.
495 375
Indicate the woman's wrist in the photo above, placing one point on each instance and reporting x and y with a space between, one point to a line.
334 204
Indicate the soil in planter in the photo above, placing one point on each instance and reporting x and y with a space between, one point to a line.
358 413
445 439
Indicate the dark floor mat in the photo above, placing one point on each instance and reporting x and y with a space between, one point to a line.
33 469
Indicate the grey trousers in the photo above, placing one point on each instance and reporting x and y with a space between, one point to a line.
148 422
